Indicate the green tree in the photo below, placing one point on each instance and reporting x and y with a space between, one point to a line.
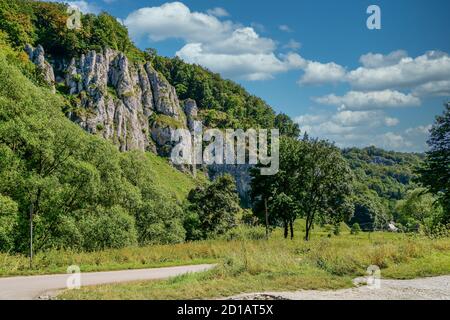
324 182
435 175
419 206
287 126
314 176
216 207
284 208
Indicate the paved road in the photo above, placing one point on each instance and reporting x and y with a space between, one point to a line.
26 288
435 288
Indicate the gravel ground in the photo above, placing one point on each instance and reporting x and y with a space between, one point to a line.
435 288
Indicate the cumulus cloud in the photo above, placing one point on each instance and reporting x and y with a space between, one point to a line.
407 73
234 50
366 118
378 60
248 66
393 71
434 88
175 20
357 100
383 81
363 129
318 73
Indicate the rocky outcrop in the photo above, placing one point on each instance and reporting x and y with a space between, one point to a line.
165 96
116 99
37 56
191 111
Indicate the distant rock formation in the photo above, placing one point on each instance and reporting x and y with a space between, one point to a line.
37 56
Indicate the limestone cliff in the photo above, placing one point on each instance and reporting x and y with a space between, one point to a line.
130 104
121 101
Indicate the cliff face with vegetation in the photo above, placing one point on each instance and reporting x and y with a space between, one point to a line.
111 97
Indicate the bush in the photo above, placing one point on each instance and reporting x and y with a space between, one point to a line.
437 230
160 222
243 232
8 220
108 228
337 230
355 228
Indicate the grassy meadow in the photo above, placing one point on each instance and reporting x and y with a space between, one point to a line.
325 262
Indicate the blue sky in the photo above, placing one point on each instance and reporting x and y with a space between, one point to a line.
314 60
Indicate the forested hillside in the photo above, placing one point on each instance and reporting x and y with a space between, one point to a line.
82 192
383 178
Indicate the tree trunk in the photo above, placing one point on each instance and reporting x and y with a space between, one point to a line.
267 218
308 227
285 224
31 234
291 225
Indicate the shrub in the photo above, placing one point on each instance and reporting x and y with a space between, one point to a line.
337 230
108 228
355 228
243 232
8 220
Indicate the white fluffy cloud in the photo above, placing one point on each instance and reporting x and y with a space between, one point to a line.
357 100
395 71
222 46
406 73
362 129
175 20
434 88
377 60
318 73
249 66
359 118
383 81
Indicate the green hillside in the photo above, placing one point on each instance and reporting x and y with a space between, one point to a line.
82 191
382 179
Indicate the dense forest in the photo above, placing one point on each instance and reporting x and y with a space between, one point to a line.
78 191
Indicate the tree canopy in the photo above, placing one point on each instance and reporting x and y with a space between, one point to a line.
435 175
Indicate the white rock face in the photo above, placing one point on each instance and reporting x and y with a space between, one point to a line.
37 56
117 98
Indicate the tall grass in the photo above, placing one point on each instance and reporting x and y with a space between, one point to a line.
246 265
284 265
